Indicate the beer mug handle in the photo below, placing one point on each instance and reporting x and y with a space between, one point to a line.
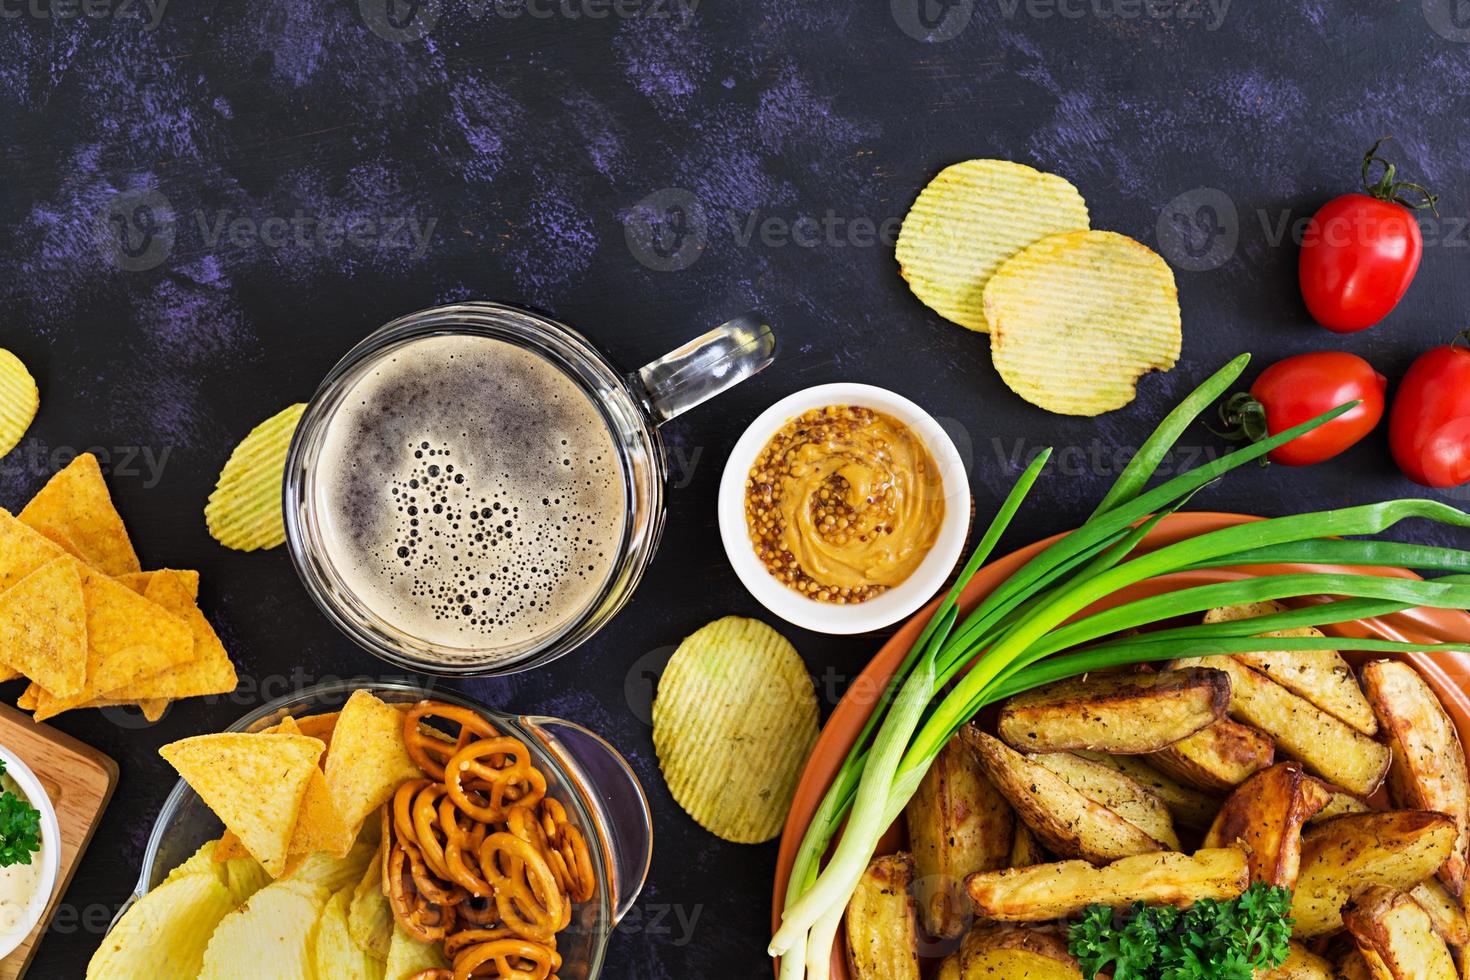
706 366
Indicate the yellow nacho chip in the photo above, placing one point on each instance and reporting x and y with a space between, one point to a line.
138 581
244 511
253 783
22 550
75 502
969 219
128 638
208 671
43 627
1076 319
319 825
19 400
367 760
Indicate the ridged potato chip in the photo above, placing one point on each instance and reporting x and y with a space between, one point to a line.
369 917
335 873
407 957
75 509
1076 319
969 219
165 933
244 511
253 783
268 938
334 952
733 723
19 400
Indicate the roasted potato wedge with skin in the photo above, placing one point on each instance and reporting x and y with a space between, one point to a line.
1189 807
1014 953
1120 713
1324 744
1052 891
1116 791
1218 758
958 824
1025 848
1428 770
1301 964
882 937
1320 676
1265 815
1354 966
1062 818
1340 802
1390 924
1446 914
1396 848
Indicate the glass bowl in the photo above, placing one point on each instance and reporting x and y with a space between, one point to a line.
602 796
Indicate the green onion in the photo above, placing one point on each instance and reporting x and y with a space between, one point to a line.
1034 629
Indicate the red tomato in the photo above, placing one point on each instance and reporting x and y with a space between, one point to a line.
1429 430
1361 251
1301 388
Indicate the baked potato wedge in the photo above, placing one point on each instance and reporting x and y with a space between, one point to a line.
1121 713
1428 770
1218 758
1265 816
882 937
1326 745
1052 891
1354 966
1396 848
1026 850
1301 964
1446 914
1320 676
1000 951
958 824
1064 819
1388 924
1339 802
1116 791
1188 806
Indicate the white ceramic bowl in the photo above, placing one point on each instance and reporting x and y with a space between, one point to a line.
12 934
898 602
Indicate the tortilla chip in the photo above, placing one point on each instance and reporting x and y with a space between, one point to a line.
7 674
138 581
128 639
319 825
229 847
253 783
316 726
22 550
367 761
43 627
76 503
208 671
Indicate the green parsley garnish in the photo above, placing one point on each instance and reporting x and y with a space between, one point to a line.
1211 941
20 828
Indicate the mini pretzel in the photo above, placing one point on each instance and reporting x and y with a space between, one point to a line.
462 850
514 781
571 848
431 751
509 959
421 918
526 893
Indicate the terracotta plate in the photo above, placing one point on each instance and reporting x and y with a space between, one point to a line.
1446 673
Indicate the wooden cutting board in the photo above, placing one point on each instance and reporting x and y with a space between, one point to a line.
80 781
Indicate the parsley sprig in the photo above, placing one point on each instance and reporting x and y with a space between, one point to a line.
20 828
1211 941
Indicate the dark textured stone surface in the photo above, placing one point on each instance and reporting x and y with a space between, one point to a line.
514 149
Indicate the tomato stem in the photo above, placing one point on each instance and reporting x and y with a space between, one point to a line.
1386 188
1244 419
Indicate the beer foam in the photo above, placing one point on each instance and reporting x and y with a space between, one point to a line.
471 493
